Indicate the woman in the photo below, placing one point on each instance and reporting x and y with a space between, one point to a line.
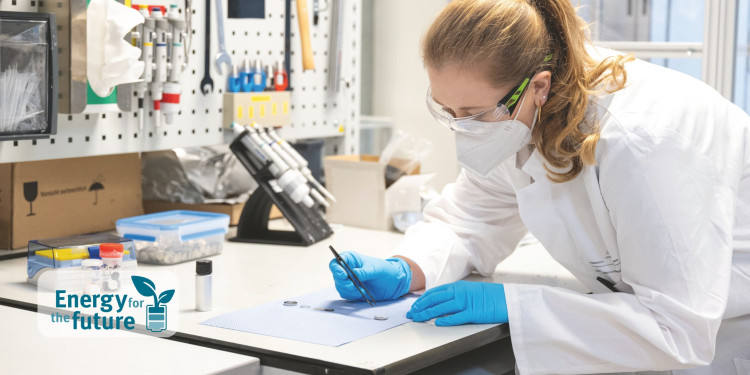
634 177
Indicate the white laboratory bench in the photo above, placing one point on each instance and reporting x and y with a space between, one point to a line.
245 275
25 350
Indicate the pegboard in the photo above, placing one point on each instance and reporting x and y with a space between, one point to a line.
317 111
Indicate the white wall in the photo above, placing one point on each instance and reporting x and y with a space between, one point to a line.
400 81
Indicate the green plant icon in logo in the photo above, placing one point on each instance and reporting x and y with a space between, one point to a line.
156 314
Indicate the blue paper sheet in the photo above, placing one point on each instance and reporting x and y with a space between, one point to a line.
348 322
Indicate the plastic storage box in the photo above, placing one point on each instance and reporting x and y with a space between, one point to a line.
175 236
28 75
65 256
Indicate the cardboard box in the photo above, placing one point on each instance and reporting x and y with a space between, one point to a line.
233 210
358 183
64 197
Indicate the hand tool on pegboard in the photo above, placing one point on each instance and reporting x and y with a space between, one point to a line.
287 43
308 63
207 84
222 57
336 46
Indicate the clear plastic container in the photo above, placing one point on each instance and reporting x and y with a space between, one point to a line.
28 75
70 259
175 236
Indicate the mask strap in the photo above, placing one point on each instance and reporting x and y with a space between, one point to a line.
537 112
519 107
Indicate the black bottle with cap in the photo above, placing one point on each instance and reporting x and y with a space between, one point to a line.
203 269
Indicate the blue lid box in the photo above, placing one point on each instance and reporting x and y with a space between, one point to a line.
175 236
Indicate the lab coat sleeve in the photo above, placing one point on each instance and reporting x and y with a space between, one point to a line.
473 225
673 214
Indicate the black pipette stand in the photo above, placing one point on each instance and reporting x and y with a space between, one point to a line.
309 225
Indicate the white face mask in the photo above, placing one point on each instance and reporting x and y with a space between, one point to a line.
481 152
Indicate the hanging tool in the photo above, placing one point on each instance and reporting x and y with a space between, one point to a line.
222 57
308 63
147 36
177 56
287 43
259 77
269 77
160 52
316 10
336 46
170 101
235 82
281 80
246 77
207 84
188 35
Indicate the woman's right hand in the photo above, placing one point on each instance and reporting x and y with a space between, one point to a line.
386 279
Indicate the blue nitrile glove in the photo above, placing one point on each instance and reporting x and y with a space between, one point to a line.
386 279
460 303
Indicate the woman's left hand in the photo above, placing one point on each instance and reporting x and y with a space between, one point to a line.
460 303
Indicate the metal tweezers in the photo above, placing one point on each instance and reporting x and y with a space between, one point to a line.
352 277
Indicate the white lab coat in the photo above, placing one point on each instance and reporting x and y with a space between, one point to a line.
665 215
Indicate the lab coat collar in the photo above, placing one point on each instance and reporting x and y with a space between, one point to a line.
534 166
531 161
523 155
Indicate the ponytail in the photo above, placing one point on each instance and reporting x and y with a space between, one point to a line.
511 38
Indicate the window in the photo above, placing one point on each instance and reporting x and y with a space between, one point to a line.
707 39
665 32
741 94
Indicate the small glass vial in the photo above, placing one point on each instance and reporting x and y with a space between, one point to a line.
111 254
203 270
92 276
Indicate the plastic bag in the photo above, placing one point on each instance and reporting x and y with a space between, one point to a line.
403 154
196 175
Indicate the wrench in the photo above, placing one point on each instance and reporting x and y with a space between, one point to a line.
222 57
207 84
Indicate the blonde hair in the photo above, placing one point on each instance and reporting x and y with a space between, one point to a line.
511 38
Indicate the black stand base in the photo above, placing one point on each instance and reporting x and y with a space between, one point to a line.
253 225
309 225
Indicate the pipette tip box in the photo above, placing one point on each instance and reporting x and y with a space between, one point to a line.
68 253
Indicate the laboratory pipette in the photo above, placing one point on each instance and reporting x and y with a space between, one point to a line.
285 176
302 163
170 101
289 160
147 56
160 73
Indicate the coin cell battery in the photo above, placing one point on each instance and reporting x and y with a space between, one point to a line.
381 317
290 303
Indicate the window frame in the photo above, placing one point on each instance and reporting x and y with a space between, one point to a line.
717 52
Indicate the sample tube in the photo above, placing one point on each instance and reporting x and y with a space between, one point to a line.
203 270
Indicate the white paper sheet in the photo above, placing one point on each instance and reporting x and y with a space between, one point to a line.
348 322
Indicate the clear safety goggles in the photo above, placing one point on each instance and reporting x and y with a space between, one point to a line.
474 123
